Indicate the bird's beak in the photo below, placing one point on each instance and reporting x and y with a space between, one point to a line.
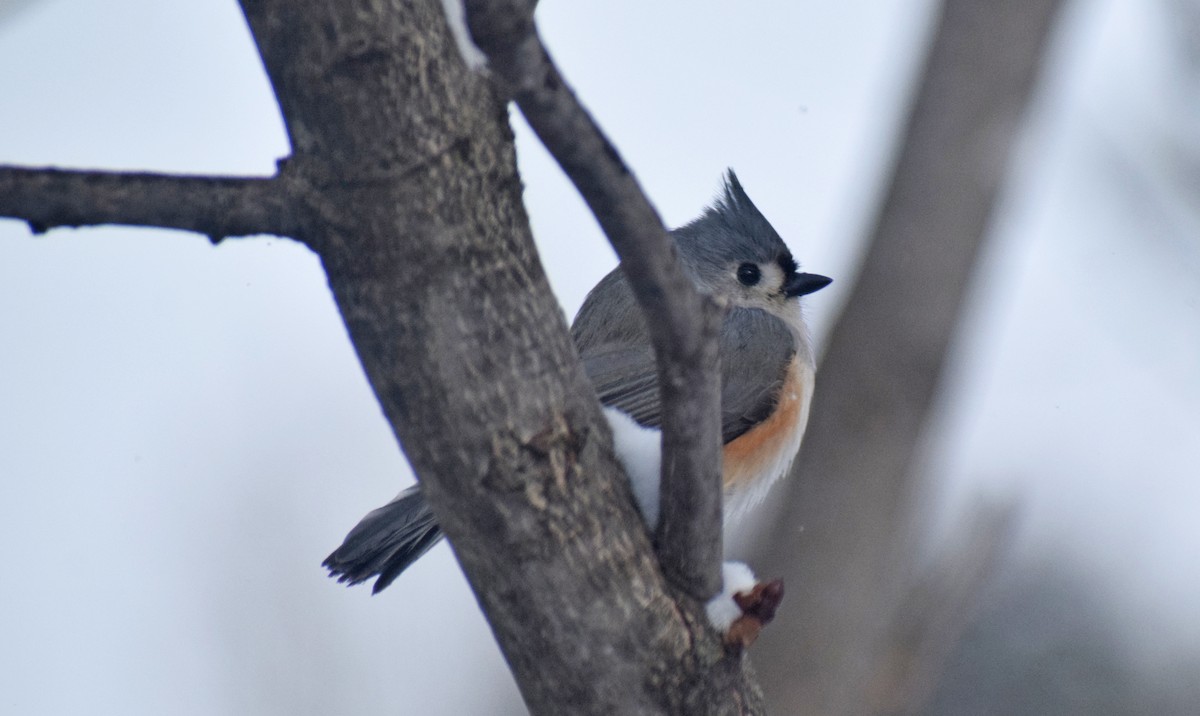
802 284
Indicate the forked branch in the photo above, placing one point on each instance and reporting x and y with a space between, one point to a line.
683 324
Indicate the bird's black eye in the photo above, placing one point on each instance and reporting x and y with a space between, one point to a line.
749 274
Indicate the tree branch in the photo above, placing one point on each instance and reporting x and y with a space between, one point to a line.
683 324
435 273
215 206
403 179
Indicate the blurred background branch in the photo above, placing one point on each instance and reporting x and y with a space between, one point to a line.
844 540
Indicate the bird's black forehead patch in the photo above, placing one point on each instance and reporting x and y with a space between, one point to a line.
787 263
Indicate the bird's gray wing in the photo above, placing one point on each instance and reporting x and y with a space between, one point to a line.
755 349
625 377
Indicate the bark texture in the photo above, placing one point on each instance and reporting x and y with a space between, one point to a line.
403 180
683 323
216 206
429 255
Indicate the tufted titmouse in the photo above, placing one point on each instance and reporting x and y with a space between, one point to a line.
733 253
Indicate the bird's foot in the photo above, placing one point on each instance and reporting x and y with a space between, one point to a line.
744 605
758 607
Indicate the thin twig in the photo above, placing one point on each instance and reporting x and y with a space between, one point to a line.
218 207
683 324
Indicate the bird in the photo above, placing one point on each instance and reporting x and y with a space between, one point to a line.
732 253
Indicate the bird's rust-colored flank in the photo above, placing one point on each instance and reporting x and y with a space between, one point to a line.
751 455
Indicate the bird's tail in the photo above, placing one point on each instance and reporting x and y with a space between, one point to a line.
386 541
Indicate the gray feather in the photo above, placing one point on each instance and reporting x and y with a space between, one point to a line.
752 380
612 339
386 541
731 231
620 362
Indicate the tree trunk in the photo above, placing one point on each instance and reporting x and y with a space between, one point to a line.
420 226
403 180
